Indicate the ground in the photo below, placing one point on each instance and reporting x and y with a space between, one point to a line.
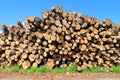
65 76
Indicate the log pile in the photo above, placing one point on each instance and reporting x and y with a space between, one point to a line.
60 39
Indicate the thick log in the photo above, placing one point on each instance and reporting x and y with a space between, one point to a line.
83 47
26 64
31 57
50 63
24 55
68 37
35 65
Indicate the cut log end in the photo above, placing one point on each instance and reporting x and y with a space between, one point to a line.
26 64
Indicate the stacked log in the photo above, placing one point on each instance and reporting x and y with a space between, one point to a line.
60 39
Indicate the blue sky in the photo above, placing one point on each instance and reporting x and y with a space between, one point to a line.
12 10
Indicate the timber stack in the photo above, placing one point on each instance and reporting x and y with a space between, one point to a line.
60 39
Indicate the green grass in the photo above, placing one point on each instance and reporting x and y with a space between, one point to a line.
95 69
15 68
43 69
59 70
5 68
30 70
1 70
72 69
116 69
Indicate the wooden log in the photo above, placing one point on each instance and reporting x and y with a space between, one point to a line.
31 57
45 43
5 29
97 36
50 63
57 62
30 18
38 61
26 64
84 25
68 37
90 64
37 21
59 39
84 66
19 24
64 14
83 47
107 47
48 22
101 47
100 61
36 44
35 65
2 42
108 22
77 27
45 54
57 23
53 36
24 55
59 9
46 50
45 14
51 47
13 44
76 60
79 14
71 15
19 63
46 27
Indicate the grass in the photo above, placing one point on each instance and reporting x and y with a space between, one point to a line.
95 69
30 70
59 70
72 69
43 69
116 69
15 68
1 70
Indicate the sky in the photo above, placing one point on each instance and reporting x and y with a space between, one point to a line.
12 10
